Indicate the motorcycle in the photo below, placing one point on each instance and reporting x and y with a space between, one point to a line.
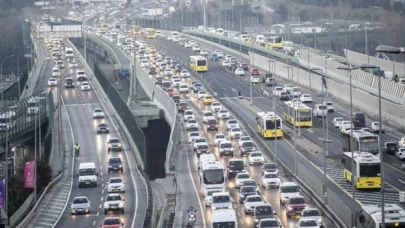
77 152
191 217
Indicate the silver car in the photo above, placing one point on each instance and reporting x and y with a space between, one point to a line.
80 205
114 144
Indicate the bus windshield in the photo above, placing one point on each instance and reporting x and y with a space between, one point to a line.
369 144
214 176
223 225
304 115
369 169
270 124
201 62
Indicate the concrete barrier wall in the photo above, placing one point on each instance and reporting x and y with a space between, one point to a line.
386 65
392 113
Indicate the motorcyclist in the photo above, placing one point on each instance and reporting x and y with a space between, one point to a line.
191 209
77 148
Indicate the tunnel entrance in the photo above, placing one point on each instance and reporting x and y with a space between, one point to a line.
157 136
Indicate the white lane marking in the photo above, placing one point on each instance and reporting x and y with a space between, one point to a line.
73 164
196 192
99 206
94 223
126 155
102 198
98 213
401 181
310 130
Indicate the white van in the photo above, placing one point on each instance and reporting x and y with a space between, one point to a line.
87 174
288 190
320 110
55 72
69 53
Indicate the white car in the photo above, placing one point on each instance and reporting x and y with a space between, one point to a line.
219 137
243 139
98 113
115 184
221 200
306 98
80 205
203 52
288 88
345 125
270 180
219 54
176 83
232 123
196 48
85 86
256 157
192 124
114 202
223 114
375 127
235 132
192 136
55 72
307 223
312 213
296 92
225 63
215 106
168 72
183 88
145 63
201 94
240 177
401 142
73 65
208 196
187 45
277 91
207 115
337 121
199 141
251 202
188 114
175 78
254 79
400 153
329 106
269 223
52 82
184 74
240 72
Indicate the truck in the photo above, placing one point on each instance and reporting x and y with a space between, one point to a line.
212 175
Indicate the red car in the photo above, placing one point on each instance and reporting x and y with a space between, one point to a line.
295 205
112 222
170 92
254 71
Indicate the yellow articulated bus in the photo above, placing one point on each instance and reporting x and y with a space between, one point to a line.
198 63
366 167
269 125
298 114
276 42
136 29
150 33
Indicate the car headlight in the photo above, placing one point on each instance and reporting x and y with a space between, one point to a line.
214 208
242 196
121 204
106 205
290 208
319 220
248 207
230 207
256 220
120 166
109 145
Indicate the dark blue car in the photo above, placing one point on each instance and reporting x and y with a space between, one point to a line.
197 87
115 164
246 191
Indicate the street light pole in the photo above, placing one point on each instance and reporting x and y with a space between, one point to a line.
274 101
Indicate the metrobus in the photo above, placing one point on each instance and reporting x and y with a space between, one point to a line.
150 33
297 114
360 141
212 175
269 125
276 42
136 29
366 167
104 27
371 216
8 120
198 63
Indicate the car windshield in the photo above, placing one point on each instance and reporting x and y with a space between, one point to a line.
115 160
244 138
235 129
192 121
197 85
290 189
338 119
226 145
194 134
112 222
221 199
249 183
183 104
202 147
236 165
202 92
114 140
208 97
176 98
79 200
247 144
223 111
115 180
113 198
188 112
270 223
270 175
391 144
98 110
311 213
232 121
328 103
267 210
297 201
308 223
255 154
247 189
270 166
244 176
215 104
200 140
220 136
254 199
208 114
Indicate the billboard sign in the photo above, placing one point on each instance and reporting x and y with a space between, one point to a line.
29 172
2 193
